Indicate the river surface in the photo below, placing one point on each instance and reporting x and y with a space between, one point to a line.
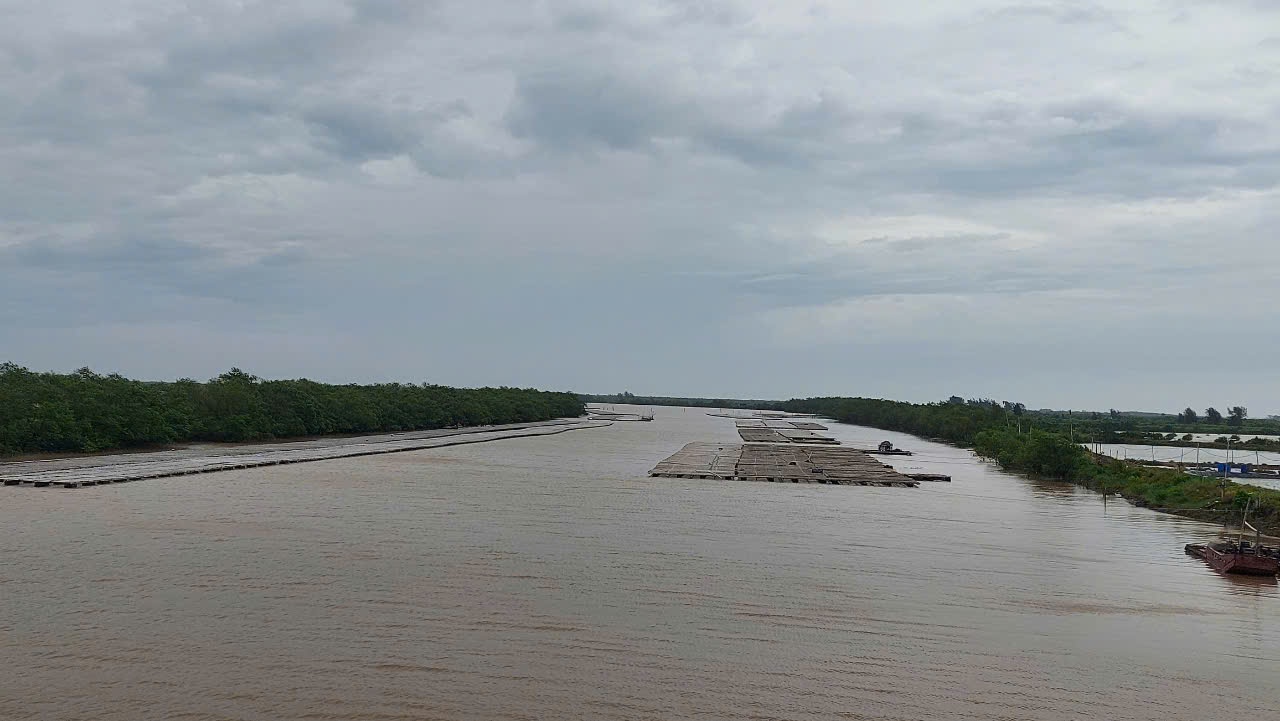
550 578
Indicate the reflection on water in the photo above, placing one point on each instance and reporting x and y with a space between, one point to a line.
550 578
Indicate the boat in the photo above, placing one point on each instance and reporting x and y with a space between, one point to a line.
886 449
1239 555
1231 557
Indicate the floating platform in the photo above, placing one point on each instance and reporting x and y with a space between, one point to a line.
770 435
779 431
120 468
784 463
601 414
764 414
778 424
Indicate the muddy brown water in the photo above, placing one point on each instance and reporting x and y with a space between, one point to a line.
549 578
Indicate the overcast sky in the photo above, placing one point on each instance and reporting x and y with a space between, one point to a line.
1069 204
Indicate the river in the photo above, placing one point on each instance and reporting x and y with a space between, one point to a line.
550 578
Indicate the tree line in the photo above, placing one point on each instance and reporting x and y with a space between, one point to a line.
1044 447
1235 416
86 412
627 397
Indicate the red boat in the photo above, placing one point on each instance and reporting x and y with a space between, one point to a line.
1239 555
1230 557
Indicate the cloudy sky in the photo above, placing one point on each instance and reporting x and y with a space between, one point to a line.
1070 204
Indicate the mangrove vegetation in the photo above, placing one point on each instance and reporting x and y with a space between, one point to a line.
88 412
1045 448
628 397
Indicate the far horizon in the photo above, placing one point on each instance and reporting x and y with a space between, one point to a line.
1033 406
639 400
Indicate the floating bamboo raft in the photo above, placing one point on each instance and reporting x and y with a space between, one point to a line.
764 414
783 463
120 468
756 430
778 424
808 426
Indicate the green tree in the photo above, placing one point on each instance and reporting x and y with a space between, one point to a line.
85 411
1212 416
1236 415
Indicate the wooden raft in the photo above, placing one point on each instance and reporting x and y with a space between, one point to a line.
763 415
778 424
102 470
781 431
782 463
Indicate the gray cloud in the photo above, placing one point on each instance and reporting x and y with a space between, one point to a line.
434 187
1073 12
106 254
567 109
357 132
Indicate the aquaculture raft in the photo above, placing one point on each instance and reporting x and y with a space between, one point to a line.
121 468
781 431
783 463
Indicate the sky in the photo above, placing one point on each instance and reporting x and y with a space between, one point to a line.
1067 204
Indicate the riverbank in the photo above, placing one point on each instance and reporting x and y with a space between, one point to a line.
1173 491
1015 444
